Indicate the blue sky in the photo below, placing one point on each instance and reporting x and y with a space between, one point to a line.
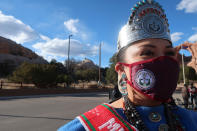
44 25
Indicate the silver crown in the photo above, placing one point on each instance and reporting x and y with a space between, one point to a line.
147 20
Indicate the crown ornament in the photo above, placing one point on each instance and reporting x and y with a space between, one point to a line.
147 20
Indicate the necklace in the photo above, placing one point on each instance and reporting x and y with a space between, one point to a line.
133 116
154 117
173 123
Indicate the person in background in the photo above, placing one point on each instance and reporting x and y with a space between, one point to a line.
185 95
115 94
148 71
193 95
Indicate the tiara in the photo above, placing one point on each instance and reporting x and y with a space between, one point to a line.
147 20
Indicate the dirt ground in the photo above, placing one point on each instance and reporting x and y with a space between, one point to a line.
36 91
26 92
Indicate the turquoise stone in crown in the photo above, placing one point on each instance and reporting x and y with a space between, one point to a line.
140 3
144 1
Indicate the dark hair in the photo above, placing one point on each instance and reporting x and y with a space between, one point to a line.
120 56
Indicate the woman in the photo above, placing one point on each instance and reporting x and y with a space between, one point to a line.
193 95
185 95
147 77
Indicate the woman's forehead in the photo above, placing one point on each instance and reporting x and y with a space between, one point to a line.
152 43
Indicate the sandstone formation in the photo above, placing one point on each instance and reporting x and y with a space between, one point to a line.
14 54
87 64
192 48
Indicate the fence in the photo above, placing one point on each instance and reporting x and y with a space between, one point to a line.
11 85
80 85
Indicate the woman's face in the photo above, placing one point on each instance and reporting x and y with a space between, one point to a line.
147 49
143 50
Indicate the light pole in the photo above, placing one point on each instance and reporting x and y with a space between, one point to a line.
99 64
68 51
183 65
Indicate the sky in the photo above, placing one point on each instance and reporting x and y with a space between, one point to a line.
44 25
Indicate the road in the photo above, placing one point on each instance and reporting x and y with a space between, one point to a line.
46 113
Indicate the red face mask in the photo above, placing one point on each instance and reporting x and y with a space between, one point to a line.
155 78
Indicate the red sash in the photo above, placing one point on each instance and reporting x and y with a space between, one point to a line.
104 118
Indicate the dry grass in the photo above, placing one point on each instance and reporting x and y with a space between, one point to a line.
5 84
27 92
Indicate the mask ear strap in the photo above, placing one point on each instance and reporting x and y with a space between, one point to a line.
125 64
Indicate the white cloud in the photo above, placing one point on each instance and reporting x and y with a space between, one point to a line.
56 47
176 36
193 38
194 28
16 30
71 25
190 6
75 27
43 37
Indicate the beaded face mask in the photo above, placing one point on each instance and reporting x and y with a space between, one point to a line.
155 78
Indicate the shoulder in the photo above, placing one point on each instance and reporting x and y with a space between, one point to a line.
187 112
74 125
79 123
103 116
187 116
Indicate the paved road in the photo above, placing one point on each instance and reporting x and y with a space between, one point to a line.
45 113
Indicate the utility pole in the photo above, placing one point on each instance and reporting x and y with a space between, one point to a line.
183 67
68 51
99 64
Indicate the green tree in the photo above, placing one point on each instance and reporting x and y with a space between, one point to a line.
7 67
60 68
91 74
21 74
68 79
111 75
86 74
42 75
190 74
72 65
80 75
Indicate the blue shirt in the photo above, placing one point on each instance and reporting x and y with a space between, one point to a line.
187 118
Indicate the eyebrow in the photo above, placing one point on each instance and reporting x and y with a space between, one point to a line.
169 46
153 46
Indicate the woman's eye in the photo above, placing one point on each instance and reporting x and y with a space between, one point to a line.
147 53
170 53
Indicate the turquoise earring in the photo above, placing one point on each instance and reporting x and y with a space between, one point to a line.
123 84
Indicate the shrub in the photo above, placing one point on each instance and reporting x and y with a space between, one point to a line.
42 75
190 74
111 75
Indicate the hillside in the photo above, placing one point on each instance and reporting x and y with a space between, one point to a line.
12 48
13 54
